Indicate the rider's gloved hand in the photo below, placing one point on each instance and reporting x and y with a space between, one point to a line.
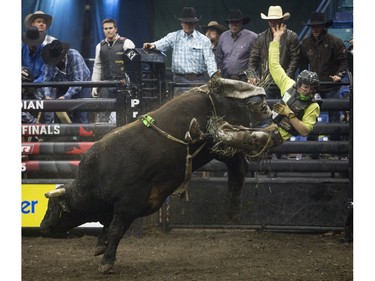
282 109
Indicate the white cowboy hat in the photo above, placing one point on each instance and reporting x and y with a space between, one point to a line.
38 14
274 13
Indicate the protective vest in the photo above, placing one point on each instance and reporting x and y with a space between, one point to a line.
297 105
112 60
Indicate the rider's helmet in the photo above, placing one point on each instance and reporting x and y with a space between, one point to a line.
308 78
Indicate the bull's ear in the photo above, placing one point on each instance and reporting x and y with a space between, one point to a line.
55 193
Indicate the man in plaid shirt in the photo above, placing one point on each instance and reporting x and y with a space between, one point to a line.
65 64
192 55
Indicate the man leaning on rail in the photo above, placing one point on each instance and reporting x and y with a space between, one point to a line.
295 114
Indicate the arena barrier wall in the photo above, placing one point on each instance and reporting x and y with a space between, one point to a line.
280 194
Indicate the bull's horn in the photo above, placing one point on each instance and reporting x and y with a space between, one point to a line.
55 193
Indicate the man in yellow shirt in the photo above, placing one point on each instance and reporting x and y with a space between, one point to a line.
298 111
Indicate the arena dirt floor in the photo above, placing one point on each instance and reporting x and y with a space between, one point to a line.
193 255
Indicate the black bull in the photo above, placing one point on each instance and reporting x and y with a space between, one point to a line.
131 170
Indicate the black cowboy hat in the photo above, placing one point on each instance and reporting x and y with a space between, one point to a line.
33 37
236 15
188 15
317 18
213 25
53 52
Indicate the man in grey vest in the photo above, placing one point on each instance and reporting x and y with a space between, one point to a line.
109 64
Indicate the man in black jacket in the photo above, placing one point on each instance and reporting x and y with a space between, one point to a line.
324 54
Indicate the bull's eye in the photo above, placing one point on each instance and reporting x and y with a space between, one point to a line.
63 206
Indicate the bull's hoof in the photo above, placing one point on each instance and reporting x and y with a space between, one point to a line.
99 250
105 268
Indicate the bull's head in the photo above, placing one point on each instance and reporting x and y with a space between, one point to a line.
57 219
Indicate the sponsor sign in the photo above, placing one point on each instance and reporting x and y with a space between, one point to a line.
34 204
38 129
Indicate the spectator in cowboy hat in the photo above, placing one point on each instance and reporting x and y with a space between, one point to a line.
65 64
324 53
234 46
31 50
42 21
213 31
192 56
258 69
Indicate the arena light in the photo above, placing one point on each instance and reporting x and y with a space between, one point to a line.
111 2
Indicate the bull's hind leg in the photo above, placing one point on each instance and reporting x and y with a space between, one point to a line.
119 225
237 169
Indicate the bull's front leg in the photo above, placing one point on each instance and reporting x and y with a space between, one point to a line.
237 169
116 231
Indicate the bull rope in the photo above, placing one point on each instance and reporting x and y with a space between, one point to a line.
182 188
215 122
214 125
